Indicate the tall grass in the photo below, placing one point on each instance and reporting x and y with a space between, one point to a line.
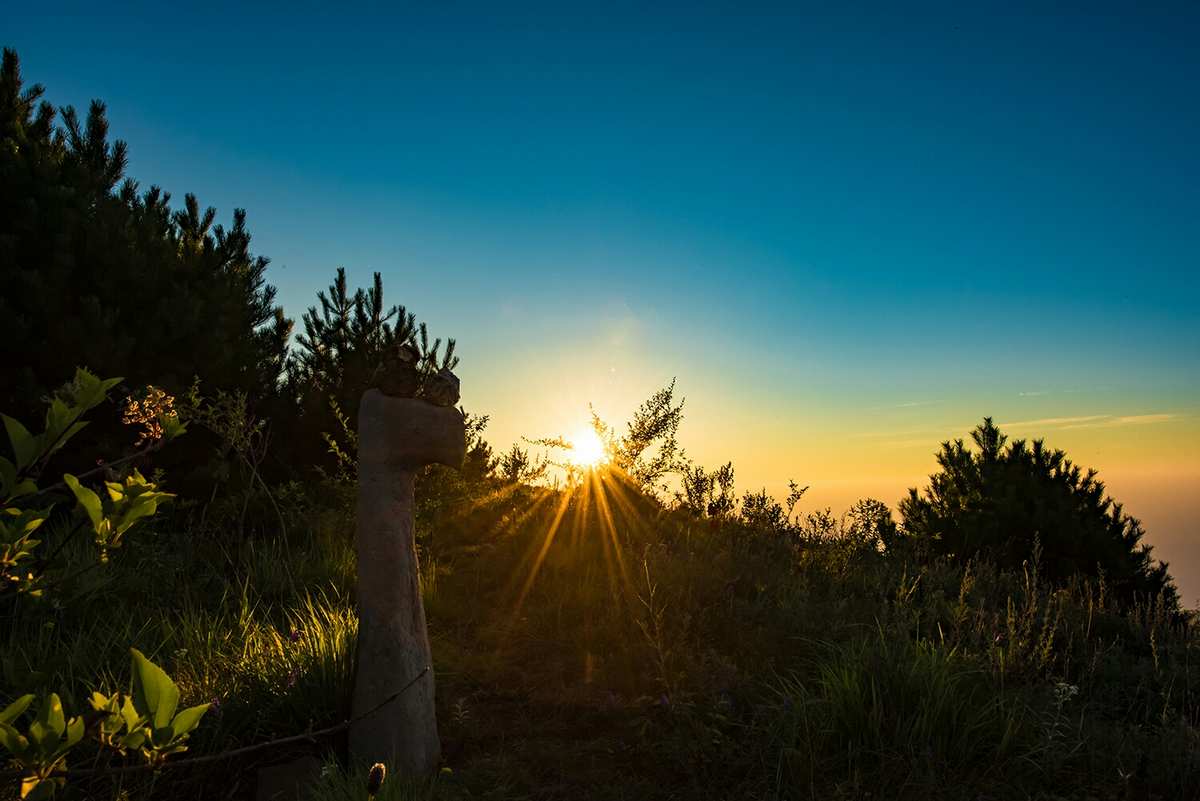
881 710
744 664
640 653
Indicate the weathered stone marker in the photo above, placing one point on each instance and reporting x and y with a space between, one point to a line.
396 437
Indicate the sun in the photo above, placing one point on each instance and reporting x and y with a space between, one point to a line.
587 449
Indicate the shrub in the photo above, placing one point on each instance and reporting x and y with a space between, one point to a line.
998 500
96 271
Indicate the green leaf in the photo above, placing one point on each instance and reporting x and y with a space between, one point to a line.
58 416
14 710
39 735
109 719
135 512
36 789
22 522
8 477
161 737
75 731
12 488
89 500
133 721
52 716
24 444
134 739
154 694
74 429
90 391
12 740
172 426
188 719
26 487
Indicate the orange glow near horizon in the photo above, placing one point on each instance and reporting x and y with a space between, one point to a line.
843 451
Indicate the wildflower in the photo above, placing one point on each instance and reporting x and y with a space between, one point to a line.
375 779
148 412
294 636
214 704
292 677
1064 692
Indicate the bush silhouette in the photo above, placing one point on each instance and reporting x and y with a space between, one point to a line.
97 272
995 501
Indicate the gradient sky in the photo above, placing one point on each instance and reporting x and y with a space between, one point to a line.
850 233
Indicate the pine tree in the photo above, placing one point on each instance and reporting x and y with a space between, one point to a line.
98 273
346 338
997 499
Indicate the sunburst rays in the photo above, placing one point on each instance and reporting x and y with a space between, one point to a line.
597 509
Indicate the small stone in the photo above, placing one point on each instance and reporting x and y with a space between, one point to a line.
441 388
405 353
399 375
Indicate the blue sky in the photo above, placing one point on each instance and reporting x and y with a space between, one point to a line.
827 221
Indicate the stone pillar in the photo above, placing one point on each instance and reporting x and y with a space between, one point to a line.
397 436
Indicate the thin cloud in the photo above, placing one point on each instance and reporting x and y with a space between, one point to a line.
1056 422
1092 421
908 405
1138 419
1128 420
932 435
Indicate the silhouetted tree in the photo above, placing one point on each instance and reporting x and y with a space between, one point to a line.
707 494
870 522
649 449
98 273
517 466
995 500
346 339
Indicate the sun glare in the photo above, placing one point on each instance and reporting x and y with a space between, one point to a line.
587 450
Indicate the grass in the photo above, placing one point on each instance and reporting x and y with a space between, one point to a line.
595 645
337 782
901 714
